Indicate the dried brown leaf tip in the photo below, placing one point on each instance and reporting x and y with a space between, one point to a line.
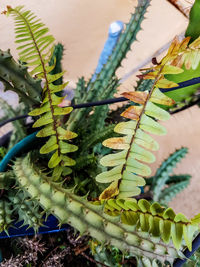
132 112
137 97
110 191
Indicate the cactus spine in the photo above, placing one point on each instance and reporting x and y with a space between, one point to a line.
108 71
87 217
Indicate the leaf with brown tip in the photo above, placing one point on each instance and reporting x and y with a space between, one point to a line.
132 112
137 97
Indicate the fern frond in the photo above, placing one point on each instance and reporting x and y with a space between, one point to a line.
127 174
37 51
187 57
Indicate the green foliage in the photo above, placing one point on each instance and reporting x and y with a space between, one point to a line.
57 55
32 33
127 174
27 210
5 215
16 78
162 178
101 84
148 231
19 131
194 20
97 220
6 179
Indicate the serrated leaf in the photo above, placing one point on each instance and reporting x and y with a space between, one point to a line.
181 218
62 111
109 176
132 112
65 134
132 177
196 219
177 234
125 127
55 100
132 205
129 186
121 203
144 223
169 214
165 230
46 131
54 160
156 112
129 217
155 230
188 233
57 172
169 69
112 203
141 154
43 120
159 98
146 140
156 208
67 148
137 97
114 159
118 142
39 111
52 78
50 145
57 88
144 205
151 126
111 191
67 161
137 167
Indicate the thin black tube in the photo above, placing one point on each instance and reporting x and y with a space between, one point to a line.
84 105
187 83
100 103
115 100
13 119
187 253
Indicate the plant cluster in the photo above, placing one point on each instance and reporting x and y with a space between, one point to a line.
61 174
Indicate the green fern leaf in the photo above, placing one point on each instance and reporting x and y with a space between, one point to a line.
34 34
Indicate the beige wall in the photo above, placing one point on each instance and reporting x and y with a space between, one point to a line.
82 27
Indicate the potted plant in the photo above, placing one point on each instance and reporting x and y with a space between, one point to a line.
57 164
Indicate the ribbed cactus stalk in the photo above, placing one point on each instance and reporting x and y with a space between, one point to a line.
100 85
5 215
89 218
15 77
27 210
